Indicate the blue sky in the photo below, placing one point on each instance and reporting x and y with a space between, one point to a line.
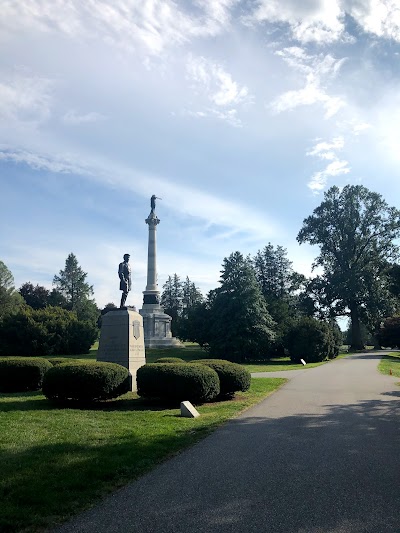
239 114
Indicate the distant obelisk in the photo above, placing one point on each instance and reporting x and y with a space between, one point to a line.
156 323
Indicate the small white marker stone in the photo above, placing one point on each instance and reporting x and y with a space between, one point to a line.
188 411
303 362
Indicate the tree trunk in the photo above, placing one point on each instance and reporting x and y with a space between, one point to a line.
356 340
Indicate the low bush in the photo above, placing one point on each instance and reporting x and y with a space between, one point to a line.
85 382
312 340
60 360
169 360
178 382
232 376
18 374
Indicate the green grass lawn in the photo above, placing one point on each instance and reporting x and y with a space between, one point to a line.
56 462
390 362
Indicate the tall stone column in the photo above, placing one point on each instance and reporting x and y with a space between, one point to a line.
152 294
156 323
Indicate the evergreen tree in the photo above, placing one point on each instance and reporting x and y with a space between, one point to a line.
10 299
71 283
242 328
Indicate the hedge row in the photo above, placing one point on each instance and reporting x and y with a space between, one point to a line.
177 382
18 374
85 381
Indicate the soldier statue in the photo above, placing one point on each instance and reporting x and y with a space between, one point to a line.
124 273
153 202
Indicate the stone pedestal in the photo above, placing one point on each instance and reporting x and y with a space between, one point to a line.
122 340
157 328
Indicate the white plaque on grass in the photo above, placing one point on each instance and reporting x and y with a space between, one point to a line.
188 411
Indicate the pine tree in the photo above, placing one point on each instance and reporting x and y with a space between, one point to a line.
71 283
242 327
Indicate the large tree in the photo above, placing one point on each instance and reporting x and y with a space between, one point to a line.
242 327
10 299
355 229
71 283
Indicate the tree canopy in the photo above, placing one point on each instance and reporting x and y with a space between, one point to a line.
355 229
71 283
10 300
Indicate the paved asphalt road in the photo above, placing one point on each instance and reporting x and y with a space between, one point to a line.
320 455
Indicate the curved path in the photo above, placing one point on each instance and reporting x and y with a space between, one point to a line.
320 455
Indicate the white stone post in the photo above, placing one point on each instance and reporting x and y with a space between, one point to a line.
152 294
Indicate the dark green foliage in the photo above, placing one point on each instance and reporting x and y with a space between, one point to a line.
85 382
178 382
169 360
71 283
232 377
177 299
241 326
60 360
36 297
10 299
389 332
18 374
311 340
49 331
355 229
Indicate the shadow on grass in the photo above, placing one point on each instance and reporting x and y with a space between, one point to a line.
54 481
119 404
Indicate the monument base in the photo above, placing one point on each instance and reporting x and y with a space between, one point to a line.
157 328
122 340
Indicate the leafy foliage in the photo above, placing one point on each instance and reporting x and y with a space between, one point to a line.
242 327
49 331
389 332
178 382
169 360
10 299
85 382
177 299
18 374
312 340
355 229
232 377
71 283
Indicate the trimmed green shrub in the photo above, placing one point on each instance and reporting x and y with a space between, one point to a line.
18 374
49 331
85 382
389 332
311 340
232 377
178 382
170 360
60 360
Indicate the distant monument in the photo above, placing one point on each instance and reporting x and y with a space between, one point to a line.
156 323
122 335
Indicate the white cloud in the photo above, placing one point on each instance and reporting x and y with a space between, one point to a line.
25 99
74 118
327 151
319 21
379 17
129 25
185 200
318 71
209 79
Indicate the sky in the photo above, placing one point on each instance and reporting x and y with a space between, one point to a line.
238 114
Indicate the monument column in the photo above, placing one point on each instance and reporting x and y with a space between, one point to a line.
156 323
152 294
